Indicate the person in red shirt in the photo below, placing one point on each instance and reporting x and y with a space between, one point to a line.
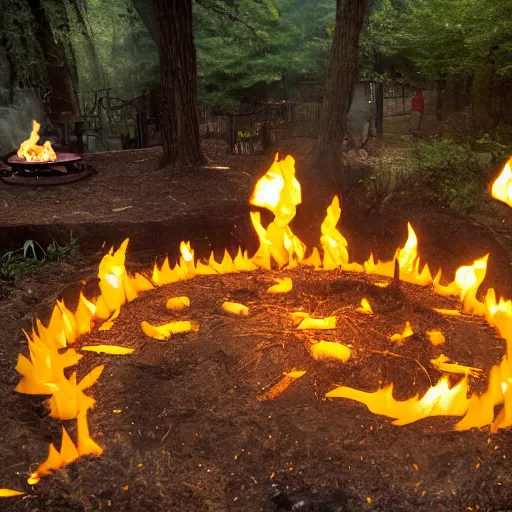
417 111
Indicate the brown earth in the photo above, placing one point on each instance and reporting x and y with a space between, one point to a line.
189 433
330 454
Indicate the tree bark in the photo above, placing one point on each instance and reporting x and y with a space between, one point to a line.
178 77
61 69
341 76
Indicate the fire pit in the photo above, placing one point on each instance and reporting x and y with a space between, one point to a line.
242 379
66 168
37 165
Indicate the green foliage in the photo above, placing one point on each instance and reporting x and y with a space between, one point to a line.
32 256
448 40
244 134
452 174
244 44
127 54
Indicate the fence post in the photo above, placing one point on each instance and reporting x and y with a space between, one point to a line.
231 134
379 107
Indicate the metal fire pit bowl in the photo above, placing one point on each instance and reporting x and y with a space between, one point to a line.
67 168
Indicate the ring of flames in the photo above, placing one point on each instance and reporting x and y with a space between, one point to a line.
51 346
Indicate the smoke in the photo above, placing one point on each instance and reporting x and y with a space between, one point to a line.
16 121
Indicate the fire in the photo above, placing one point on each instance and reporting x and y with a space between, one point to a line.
278 191
34 153
283 286
46 369
329 350
164 332
502 187
439 400
408 261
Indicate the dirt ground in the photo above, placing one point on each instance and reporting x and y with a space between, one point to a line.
191 434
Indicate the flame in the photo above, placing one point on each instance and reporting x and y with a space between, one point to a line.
177 303
278 191
502 187
164 332
235 308
329 350
365 307
436 337
9 493
318 323
333 242
442 364
467 281
407 333
283 286
408 260
108 349
68 451
34 153
439 400
44 370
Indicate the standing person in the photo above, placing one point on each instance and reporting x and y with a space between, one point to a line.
417 110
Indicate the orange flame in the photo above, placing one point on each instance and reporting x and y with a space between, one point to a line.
408 261
34 153
439 400
278 191
43 371
502 187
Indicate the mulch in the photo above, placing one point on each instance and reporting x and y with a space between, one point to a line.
190 434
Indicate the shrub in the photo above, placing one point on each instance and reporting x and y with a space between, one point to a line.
452 174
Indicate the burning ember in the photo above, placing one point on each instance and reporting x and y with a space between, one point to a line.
53 348
34 153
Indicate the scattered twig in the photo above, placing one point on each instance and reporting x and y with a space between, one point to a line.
168 430
392 354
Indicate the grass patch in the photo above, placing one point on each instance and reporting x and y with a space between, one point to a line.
32 256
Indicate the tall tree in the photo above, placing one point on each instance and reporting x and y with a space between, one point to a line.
178 74
341 76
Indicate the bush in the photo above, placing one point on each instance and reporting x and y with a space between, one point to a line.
452 174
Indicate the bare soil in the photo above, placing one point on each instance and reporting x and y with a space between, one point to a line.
190 434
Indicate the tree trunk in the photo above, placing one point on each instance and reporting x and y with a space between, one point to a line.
61 69
178 74
341 76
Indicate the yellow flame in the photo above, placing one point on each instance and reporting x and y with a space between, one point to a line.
442 364
108 349
278 191
177 303
164 332
365 307
283 286
333 242
439 400
318 323
407 333
408 261
502 187
9 493
34 153
235 308
329 350
436 337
